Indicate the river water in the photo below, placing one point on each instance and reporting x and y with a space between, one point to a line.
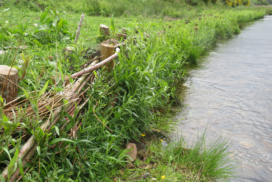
231 95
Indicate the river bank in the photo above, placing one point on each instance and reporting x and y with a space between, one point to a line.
144 81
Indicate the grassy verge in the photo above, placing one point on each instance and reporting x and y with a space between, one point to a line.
144 82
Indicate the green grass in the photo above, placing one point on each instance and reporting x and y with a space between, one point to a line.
144 81
124 8
151 8
176 162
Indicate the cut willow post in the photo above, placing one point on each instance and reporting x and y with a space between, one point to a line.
8 82
79 27
104 30
107 50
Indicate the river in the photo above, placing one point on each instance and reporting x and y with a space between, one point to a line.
231 95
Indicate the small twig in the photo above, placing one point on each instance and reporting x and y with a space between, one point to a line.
80 166
143 141
78 150
58 152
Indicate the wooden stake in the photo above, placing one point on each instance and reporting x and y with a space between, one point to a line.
79 27
106 51
10 91
104 30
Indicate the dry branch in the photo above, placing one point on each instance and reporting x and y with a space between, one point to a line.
50 105
82 72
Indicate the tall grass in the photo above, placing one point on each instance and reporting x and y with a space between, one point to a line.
176 162
207 161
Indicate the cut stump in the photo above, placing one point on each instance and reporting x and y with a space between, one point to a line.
106 51
104 30
9 80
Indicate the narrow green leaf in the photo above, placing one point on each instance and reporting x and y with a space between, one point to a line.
48 107
57 130
70 164
43 15
65 102
21 168
6 150
95 74
44 88
37 43
39 150
83 141
60 70
60 140
6 10
26 93
13 160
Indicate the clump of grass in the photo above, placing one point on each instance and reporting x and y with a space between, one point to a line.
176 162
208 161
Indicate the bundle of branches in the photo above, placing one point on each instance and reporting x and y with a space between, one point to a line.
48 108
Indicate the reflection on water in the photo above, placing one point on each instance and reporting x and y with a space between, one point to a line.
232 94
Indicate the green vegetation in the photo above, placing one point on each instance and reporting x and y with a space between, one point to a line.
261 2
177 163
144 8
143 81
